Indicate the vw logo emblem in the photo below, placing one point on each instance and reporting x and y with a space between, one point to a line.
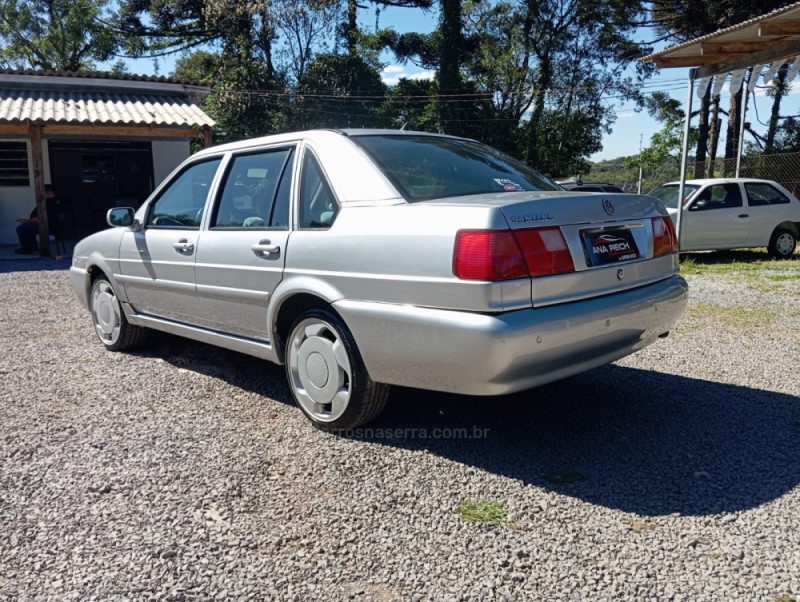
608 206
620 274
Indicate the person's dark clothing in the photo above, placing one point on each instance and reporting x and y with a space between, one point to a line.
27 233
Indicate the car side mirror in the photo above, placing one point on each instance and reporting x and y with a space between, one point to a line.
699 205
120 217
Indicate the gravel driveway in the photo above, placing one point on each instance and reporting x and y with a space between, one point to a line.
183 472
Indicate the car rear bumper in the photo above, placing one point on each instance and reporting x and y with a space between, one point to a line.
492 354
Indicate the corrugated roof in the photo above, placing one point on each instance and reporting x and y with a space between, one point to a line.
103 75
75 107
694 46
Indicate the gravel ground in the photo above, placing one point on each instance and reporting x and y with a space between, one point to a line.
183 471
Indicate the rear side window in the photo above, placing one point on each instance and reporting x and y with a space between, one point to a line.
317 205
760 194
251 186
429 167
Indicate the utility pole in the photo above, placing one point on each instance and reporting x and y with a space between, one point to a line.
639 188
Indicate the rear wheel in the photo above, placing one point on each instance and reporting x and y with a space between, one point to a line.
109 321
782 243
327 375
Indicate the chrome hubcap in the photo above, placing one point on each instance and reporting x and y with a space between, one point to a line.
785 244
319 370
106 313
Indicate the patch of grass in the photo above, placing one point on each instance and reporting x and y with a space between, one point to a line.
734 262
737 317
785 598
563 477
642 526
783 277
482 511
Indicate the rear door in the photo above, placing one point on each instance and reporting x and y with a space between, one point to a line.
157 263
240 256
716 218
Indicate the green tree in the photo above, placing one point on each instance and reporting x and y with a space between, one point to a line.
57 35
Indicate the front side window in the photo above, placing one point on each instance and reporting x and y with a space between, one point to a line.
668 194
181 204
718 196
249 194
759 194
317 204
429 167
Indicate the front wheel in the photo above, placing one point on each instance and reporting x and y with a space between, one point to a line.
110 324
782 243
327 375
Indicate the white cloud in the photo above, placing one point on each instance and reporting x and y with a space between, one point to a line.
626 115
392 74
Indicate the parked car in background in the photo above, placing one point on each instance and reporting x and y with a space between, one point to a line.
729 213
596 188
364 259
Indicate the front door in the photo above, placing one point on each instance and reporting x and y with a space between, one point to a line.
240 256
157 263
716 218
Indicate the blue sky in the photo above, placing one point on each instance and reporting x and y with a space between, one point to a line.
630 125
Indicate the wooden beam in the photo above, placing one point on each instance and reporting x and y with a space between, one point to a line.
110 130
207 139
35 132
779 28
778 53
688 61
14 129
736 47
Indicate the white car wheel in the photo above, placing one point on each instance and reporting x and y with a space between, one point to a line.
327 376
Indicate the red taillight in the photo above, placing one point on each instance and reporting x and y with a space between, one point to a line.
545 250
665 240
506 254
487 255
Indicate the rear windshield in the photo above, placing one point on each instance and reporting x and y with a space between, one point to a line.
431 167
668 194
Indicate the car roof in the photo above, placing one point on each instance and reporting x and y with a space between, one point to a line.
704 181
313 136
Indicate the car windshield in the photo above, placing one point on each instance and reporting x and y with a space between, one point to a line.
430 167
668 194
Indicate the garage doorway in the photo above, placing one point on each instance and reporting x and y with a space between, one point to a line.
94 176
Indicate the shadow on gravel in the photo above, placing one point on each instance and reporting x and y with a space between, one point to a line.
34 264
635 440
732 257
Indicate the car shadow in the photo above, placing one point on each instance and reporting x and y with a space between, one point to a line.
636 440
730 257
33 264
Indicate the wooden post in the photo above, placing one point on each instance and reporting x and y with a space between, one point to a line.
38 187
207 136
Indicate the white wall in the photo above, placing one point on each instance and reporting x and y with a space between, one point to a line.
167 155
16 202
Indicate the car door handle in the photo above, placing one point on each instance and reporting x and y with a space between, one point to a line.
183 246
744 215
264 247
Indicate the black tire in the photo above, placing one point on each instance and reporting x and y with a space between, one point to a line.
327 376
110 324
782 243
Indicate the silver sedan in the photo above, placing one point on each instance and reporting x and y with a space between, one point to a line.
364 259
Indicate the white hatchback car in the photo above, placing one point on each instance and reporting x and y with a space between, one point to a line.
728 213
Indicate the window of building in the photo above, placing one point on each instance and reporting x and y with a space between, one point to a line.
14 164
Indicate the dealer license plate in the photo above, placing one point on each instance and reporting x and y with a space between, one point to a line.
609 246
